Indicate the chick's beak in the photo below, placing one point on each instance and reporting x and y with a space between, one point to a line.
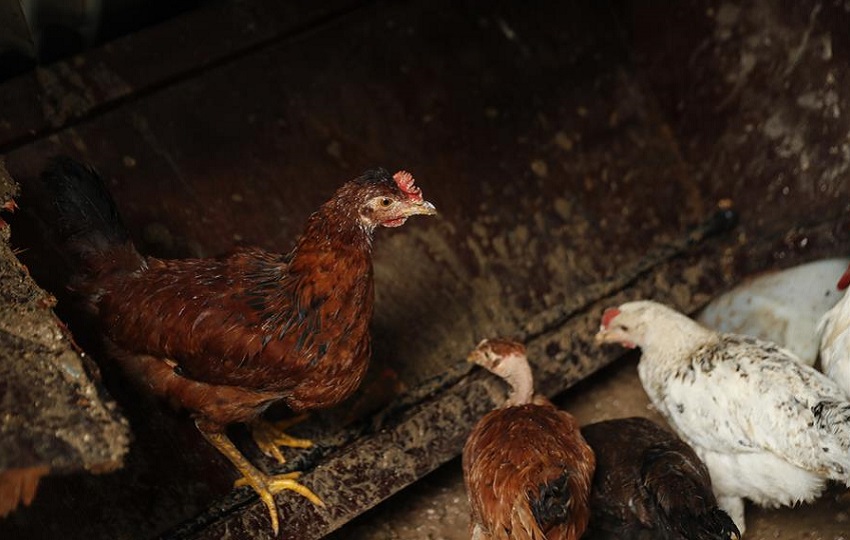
419 208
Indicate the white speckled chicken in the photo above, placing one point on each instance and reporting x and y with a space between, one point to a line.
526 466
834 330
769 429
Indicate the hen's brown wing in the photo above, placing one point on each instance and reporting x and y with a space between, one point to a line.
212 317
528 472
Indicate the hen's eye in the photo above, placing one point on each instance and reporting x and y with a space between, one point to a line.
385 202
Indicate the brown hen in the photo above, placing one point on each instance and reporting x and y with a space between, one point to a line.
526 466
227 337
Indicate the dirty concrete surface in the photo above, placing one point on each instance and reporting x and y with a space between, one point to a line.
574 189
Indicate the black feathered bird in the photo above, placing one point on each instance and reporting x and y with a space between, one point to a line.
650 485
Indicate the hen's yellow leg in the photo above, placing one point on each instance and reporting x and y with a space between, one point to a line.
270 436
266 486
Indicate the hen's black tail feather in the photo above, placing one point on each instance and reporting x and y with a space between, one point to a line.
551 506
712 525
89 225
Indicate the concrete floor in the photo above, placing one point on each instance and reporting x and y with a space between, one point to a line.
436 508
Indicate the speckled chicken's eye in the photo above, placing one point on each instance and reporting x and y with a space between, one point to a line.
385 202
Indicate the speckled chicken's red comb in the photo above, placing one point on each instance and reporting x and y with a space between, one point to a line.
608 316
405 183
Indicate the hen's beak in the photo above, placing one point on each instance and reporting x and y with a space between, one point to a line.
476 354
419 208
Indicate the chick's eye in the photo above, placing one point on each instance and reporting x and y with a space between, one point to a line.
385 202
623 327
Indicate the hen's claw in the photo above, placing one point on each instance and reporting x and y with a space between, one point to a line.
266 487
270 436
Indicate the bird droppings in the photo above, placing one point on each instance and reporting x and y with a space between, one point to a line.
334 149
564 142
563 208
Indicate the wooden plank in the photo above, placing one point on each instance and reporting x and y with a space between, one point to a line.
41 102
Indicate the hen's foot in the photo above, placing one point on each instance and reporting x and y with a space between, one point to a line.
267 487
270 436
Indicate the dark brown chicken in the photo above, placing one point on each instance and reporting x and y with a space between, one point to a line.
227 337
526 466
650 485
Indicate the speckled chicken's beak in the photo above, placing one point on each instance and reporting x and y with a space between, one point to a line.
607 335
612 335
604 334
601 336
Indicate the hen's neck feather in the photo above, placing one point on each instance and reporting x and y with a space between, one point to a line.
332 257
517 373
671 337
334 227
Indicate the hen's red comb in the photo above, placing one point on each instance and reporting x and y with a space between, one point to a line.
844 282
608 316
404 180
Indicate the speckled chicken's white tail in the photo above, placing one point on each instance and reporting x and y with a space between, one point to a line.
833 420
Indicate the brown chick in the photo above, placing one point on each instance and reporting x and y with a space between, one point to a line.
650 485
526 466
227 337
